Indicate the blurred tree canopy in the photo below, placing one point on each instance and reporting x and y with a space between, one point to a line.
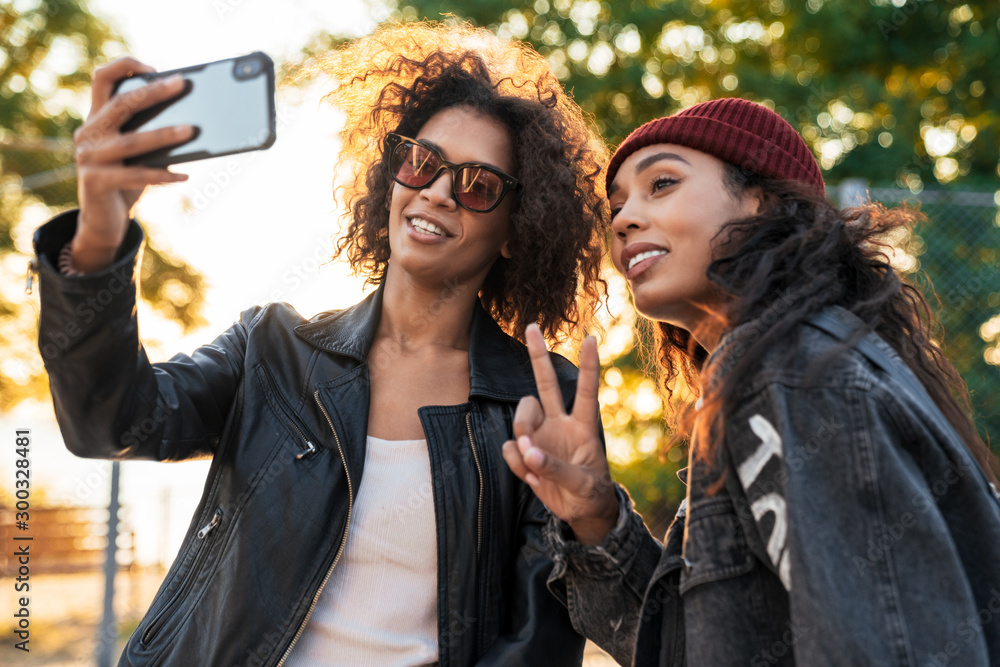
864 81
49 50
901 93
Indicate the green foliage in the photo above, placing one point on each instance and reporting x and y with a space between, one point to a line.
42 73
869 75
655 488
50 49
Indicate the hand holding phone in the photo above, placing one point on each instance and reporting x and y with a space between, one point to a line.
230 103
120 150
107 188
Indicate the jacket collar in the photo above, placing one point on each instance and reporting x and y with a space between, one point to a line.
499 366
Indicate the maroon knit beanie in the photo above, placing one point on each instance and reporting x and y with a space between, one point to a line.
734 130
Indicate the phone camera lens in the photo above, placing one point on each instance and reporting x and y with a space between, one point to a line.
247 68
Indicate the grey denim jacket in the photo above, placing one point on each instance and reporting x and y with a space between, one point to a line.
853 527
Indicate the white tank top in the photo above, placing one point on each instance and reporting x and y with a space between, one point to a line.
379 607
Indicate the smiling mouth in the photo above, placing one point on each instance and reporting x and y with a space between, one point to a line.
643 256
426 226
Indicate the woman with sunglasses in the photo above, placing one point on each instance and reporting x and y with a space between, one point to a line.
358 510
840 506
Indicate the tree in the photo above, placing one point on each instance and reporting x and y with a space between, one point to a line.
863 82
51 47
904 93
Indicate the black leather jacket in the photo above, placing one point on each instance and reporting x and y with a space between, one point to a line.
281 406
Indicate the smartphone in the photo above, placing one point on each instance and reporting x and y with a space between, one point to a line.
229 102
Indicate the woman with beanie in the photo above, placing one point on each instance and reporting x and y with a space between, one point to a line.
840 506
357 510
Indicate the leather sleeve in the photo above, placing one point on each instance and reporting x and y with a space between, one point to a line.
109 400
541 632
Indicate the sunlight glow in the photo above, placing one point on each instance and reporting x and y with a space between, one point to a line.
602 57
748 30
652 85
645 401
628 40
830 152
939 141
584 15
682 40
620 450
946 169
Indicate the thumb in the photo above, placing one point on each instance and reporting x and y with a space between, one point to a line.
544 466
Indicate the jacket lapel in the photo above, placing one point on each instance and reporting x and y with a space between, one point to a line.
499 366
347 332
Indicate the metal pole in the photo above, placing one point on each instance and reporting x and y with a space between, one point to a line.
107 633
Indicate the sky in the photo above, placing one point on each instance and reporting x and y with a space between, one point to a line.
258 226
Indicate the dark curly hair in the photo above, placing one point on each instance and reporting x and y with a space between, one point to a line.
396 79
806 253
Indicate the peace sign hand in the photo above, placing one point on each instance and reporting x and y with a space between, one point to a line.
559 455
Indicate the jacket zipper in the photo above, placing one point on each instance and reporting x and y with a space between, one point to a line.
343 540
479 470
155 625
310 447
480 576
210 526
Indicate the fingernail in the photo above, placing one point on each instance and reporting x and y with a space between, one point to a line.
524 443
534 457
172 79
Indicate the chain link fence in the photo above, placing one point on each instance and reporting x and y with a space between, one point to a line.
955 256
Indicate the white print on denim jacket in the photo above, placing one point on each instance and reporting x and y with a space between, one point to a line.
748 472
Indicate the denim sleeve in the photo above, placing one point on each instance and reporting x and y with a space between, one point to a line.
603 585
109 400
835 491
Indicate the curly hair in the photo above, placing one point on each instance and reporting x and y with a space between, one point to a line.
797 256
396 79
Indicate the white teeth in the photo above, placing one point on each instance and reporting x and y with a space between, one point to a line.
428 227
644 255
